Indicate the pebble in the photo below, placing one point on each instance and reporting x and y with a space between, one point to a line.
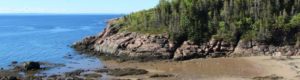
14 62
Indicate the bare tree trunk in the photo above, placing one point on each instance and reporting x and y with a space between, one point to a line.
297 44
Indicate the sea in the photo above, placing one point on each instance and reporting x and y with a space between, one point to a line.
48 37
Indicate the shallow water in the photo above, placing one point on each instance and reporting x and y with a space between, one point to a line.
47 38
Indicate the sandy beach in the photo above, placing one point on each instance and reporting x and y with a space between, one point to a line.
245 68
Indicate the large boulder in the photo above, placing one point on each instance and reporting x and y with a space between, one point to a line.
188 50
248 48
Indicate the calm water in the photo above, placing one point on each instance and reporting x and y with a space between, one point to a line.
47 38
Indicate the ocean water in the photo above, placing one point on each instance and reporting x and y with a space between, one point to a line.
47 38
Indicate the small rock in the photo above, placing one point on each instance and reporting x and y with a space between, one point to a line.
74 73
102 70
54 75
92 75
73 78
104 66
161 75
14 62
32 66
126 71
12 78
69 56
270 77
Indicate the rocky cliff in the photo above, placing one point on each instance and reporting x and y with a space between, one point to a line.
149 46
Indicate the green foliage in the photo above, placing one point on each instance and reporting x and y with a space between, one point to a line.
295 21
266 21
145 30
250 35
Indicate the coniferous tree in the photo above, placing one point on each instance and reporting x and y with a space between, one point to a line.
266 21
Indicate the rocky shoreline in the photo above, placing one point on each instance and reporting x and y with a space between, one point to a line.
134 45
144 47
31 71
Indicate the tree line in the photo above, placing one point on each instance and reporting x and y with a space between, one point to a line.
274 22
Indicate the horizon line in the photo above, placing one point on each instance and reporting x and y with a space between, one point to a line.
64 13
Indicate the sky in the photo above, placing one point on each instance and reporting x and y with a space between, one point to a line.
75 6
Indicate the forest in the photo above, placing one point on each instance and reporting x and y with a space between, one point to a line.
272 22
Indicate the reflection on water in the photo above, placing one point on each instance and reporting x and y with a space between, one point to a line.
47 38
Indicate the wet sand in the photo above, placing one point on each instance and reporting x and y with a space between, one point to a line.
244 68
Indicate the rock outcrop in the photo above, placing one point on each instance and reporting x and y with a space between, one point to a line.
253 48
213 48
135 45
127 44
87 44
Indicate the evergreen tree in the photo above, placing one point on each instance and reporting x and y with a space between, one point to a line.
267 21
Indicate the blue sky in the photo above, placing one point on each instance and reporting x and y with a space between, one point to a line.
75 6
